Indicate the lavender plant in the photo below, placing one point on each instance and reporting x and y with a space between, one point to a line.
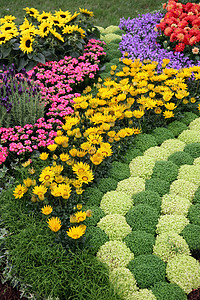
20 99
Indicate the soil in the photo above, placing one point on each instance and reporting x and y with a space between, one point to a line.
9 293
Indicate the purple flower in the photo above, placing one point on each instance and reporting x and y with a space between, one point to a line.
140 42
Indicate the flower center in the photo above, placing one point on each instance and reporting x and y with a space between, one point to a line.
28 43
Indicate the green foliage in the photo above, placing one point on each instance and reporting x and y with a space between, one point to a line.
113 54
114 61
107 184
115 254
140 242
131 185
184 270
131 154
197 196
189 136
176 127
144 141
194 214
111 37
119 171
116 202
165 170
142 166
183 188
95 238
157 185
181 158
161 134
115 226
193 149
143 217
148 197
191 234
171 223
123 282
170 244
174 204
92 196
108 67
188 117
168 291
147 270
97 214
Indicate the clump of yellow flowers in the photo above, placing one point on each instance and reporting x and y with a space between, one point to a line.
99 124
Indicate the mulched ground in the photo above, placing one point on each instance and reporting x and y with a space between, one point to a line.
9 293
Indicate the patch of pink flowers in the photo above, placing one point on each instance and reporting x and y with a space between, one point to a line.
3 154
61 81
21 140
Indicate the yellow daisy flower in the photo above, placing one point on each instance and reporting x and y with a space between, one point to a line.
19 191
54 224
76 232
80 216
47 210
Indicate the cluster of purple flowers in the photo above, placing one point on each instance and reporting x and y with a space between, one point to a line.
11 83
139 42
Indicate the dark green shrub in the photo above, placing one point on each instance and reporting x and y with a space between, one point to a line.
143 217
131 154
115 61
157 185
144 141
177 127
168 291
181 158
161 134
95 238
191 234
113 54
108 67
117 41
107 184
188 117
148 197
196 198
193 149
194 214
97 214
140 242
105 75
92 196
119 171
165 170
147 270
111 46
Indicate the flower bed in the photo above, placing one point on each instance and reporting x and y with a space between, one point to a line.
101 192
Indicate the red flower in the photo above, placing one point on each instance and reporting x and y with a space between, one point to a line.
180 47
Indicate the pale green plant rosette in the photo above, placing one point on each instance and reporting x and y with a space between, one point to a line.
142 166
189 136
171 223
183 188
123 281
196 161
169 245
173 145
190 173
115 202
184 270
115 226
115 254
143 294
131 186
174 204
157 153
109 37
195 124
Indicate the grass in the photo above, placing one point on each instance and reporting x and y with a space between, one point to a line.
106 12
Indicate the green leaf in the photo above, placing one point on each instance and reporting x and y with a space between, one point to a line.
5 52
40 58
16 46
22 63
30 55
